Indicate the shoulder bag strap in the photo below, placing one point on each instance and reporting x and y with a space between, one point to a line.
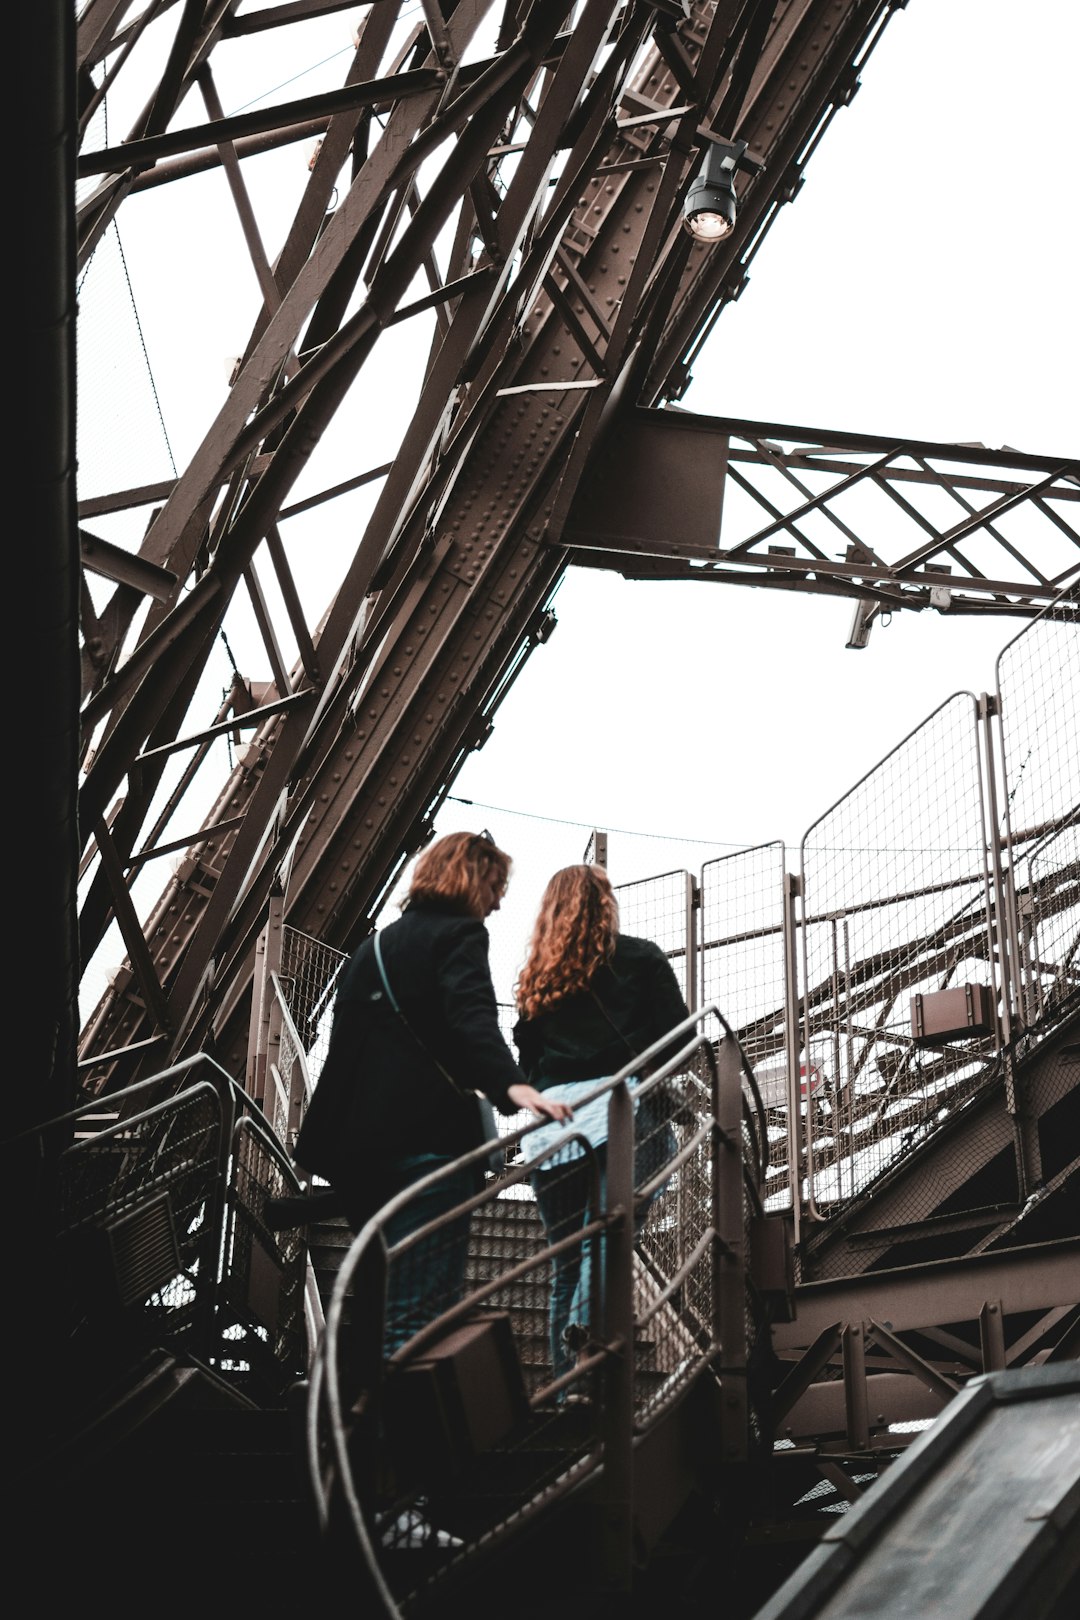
393 1002
644 1071
622 1036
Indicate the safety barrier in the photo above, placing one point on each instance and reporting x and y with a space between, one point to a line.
417 1466
948 875
157 1236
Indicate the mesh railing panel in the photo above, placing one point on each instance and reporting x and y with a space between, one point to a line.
1038 684
1038 689
136 1225
1049 910
160 1235
674 1214
743 973
308 975
742 946
511 1265
308 980
895 904
262 1292
657 908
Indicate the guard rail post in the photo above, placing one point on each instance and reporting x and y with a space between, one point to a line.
730 1269
617 1414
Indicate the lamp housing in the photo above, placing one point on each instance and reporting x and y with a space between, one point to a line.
710 207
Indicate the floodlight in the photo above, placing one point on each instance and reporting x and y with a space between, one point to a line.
709 209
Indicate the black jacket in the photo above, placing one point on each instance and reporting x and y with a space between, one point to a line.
380 1098
574 1040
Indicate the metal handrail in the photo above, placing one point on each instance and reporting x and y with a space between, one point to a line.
157 1158
345 1402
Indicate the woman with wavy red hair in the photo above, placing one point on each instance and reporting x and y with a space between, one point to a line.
589 998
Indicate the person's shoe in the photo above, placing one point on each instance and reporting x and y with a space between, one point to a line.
578 1341
410 1531
575 1336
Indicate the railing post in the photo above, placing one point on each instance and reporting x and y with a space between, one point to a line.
223 1211
693 967
798 1153
729 1273
1011 996
856 1403
596 850
617 1416
1008 949
264 1028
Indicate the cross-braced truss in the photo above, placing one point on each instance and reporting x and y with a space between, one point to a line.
482 314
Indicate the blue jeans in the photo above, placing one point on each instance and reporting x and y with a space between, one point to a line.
565 1198
430 1277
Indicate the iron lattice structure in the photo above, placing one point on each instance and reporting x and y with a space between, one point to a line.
490 216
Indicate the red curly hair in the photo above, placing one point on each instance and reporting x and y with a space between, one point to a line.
460 867
574 934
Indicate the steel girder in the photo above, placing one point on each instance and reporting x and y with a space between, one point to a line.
525 167
927 1329
958 528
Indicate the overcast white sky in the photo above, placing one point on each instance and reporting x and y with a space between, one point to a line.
922 284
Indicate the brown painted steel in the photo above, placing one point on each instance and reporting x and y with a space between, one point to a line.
448 587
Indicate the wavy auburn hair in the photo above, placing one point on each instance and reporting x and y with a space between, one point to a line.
575 933
460 867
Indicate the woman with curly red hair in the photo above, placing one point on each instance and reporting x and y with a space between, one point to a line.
589 998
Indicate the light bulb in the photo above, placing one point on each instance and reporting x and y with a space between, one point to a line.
709 226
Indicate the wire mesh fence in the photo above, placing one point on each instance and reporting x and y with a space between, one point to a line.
160 1238
896 905
1038 703
953 865
743 969
135 1205
308 973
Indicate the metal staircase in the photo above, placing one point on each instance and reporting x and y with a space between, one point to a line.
189 1431
935 1208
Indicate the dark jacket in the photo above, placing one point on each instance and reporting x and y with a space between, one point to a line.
574 1040
380 1098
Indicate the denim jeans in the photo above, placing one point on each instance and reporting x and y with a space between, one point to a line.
430 1277
564 1196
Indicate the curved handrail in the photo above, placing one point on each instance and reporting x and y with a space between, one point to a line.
189 1160
346 1437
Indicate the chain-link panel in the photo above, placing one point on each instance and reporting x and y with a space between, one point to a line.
523 1414
896 908
660 908
136 1224
1049 911
262 1292
1038 700
743 973
309 973
742 946
674 1215
674 1194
